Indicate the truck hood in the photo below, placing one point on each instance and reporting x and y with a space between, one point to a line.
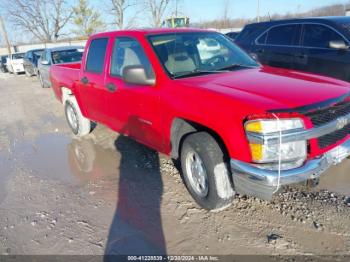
286 89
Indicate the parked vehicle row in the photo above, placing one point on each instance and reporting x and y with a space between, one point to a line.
56 55
38 61
3 62
236 126
30 61
317 45
14 63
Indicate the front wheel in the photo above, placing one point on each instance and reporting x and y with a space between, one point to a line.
205 171
79 124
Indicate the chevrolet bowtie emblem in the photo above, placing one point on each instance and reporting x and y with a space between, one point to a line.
342 122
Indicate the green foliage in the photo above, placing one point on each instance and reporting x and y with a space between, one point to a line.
87 21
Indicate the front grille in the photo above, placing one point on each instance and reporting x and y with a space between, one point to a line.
325 116
332 138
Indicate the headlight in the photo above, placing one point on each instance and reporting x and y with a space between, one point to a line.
269 153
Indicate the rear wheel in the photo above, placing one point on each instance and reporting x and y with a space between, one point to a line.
205 171
79 124
27 73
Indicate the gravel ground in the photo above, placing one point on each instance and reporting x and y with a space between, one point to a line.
108 194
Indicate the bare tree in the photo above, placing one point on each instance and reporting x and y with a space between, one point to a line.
4 33
157 10
119 9
226 11
86 20
45 19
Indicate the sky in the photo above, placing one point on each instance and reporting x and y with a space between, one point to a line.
201 10
204 10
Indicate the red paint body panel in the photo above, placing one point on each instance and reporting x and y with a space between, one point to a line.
220 102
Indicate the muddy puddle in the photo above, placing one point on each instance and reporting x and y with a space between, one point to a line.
60 158
79 161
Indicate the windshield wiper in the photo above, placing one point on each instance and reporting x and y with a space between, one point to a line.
234 66
199 72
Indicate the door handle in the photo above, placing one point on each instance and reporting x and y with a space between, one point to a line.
84 80
111 87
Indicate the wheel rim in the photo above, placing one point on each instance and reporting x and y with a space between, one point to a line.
72 117
197 174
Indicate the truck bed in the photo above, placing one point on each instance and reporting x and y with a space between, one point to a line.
64 75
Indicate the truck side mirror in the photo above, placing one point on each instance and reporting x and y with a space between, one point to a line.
338 44
136 74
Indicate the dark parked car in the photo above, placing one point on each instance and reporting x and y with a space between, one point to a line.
3 67
30 61
57 55
318 45
232 35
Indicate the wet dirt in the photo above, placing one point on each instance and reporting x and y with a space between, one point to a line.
337 179
107 194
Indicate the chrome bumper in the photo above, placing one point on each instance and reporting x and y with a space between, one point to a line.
254 181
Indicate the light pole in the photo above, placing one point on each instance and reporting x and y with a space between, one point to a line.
258 12
4 33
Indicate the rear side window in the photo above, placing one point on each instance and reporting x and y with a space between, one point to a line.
319 36
246 34
96 56
262 39
283 35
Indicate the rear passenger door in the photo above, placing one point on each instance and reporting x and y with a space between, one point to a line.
320 58
92 89
279 45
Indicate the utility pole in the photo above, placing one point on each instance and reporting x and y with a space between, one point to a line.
176 6
4 33
258 12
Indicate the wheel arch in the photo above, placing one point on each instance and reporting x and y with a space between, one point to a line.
181 128
66 93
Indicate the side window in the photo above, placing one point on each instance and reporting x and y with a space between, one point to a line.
48 56
128 52
96 56
44 57
319 36
283 35
262 39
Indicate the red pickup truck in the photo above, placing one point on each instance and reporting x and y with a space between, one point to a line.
236 126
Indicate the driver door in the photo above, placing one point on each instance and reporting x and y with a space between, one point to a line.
134 109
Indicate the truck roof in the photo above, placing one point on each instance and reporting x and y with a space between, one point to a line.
154 31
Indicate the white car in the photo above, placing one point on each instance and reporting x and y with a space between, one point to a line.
15 63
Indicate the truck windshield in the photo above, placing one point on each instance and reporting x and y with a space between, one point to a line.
188 54
67 56
18 56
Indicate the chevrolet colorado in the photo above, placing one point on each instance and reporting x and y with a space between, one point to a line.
234 125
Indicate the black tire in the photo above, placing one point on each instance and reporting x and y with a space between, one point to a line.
79 125
219 193
27 73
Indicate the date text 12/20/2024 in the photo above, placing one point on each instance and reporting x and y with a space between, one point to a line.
173 258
